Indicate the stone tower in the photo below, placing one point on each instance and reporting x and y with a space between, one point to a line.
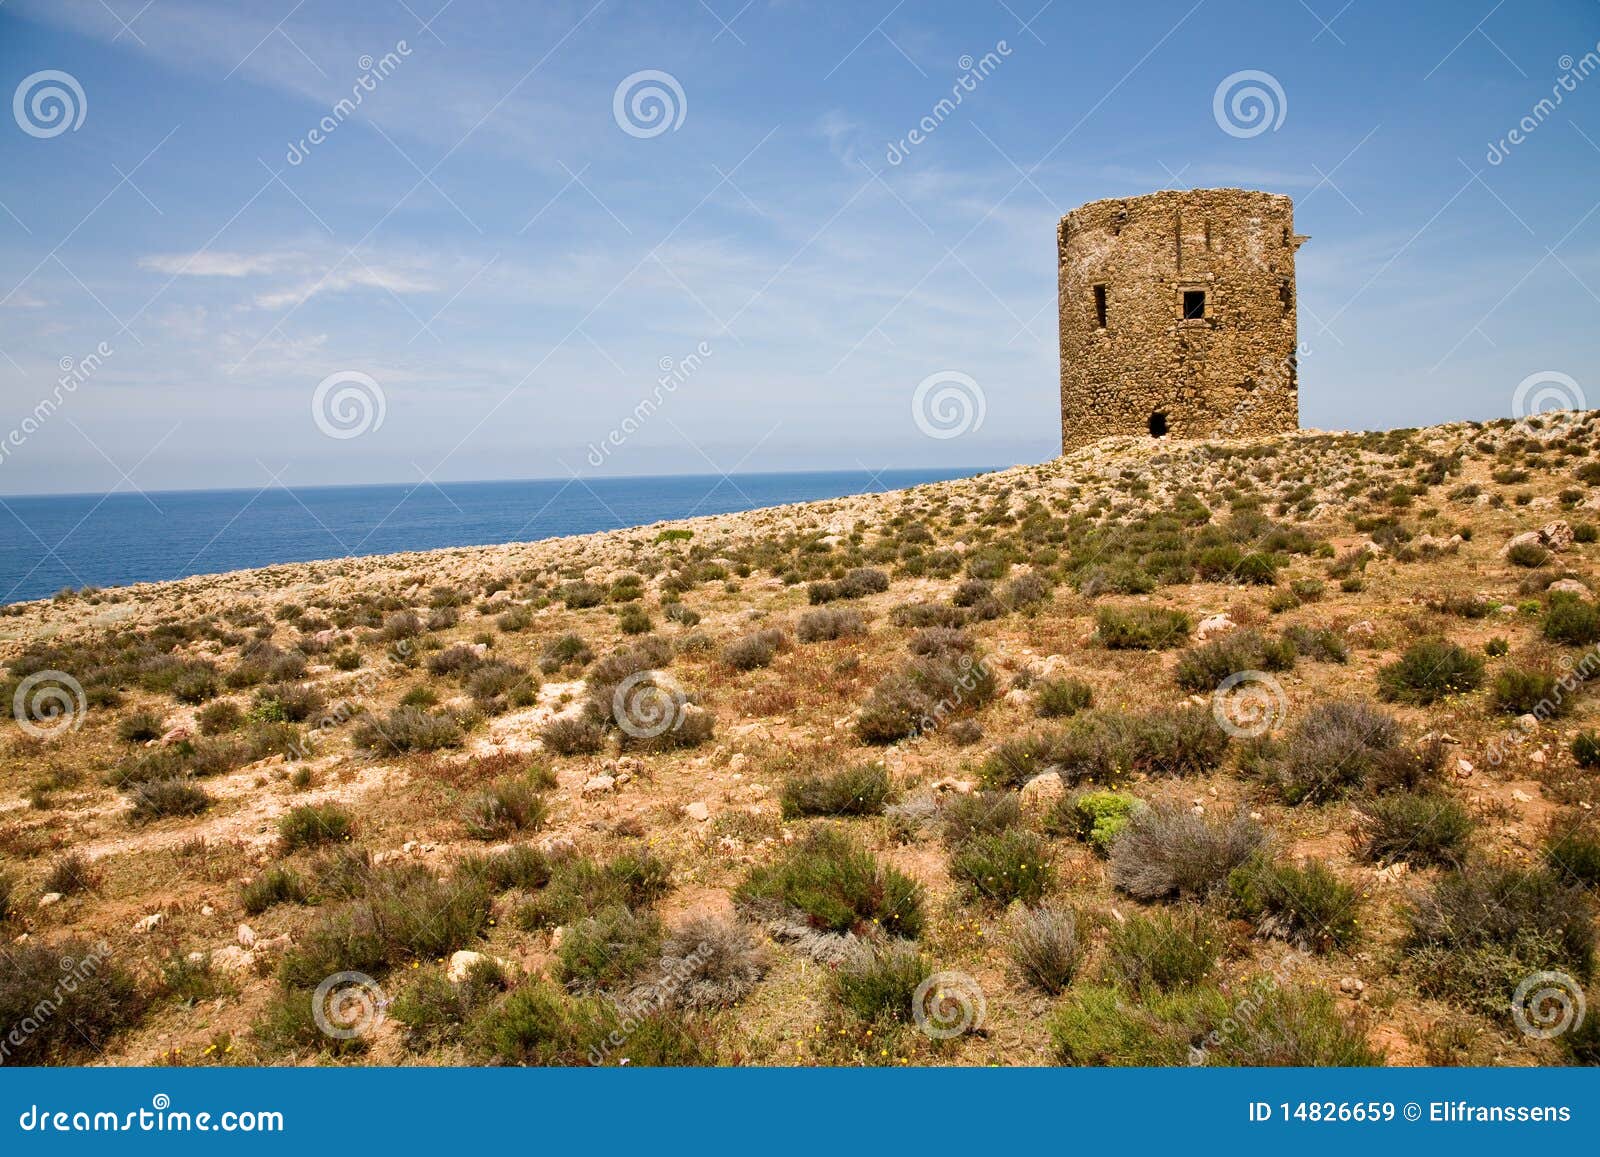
1178 316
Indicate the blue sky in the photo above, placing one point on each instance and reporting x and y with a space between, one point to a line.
489 248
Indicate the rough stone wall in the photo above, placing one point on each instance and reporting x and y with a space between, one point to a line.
1228 373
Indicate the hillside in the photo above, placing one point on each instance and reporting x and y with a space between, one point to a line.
1253 752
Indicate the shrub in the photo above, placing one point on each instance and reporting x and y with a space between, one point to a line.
311 825
1166 850
533 1025
8 887
633 619
608 949
753 650
1428 671
855 584
219 717
1045 947
572 735
1095 817
1518 691
70 875
1419 828
1004 866
1574 855
347 659
1331 751
407 729
880 980
1528 554
859 790
931 689
140 727
1571 620
497 683
400 625
838 886
434 1009
155 799
520 866
502 808
564 651
68 1023
827 624
1586 749
713 962
1140 628
1308 906
980 813
276 885
1202 668
404 915
581 887
1481 929
457 659
1059 698
1166 950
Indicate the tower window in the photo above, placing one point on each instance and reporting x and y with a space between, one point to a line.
1286 295
1100 306
1158 424
1194 304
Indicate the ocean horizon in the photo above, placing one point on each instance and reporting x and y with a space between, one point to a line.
53 541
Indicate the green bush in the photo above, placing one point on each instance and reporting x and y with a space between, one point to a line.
1517 691
828 623
1106 746
1571 620
1428 671
1059 698
504 808
838 886
1045 947
71 874
1574 855
140 727
1417 827
520 866
1005 866
572 735
1528 554
1204 667
406 729
1308 906
1586 749
757 649
156 799
931 690
1140 628
219 717
275 885
979 813
1166 950
859 790
607 950
435 1010
1095 817
880 981
581 887
310 825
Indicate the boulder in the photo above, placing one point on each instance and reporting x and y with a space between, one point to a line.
697 811
1043 792
599 785
1571 587
1212 626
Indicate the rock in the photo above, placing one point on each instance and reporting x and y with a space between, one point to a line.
1017 697
1571 587
326 637
49 898
1042 792
1352 987
738 761
1556 535
1213 625
232 958
462 963
1536 756
149 923
697 811
246 936
207 910
599 785
1528 722
179 734
1362 629
951 784
1521 796
274 944
558 847
196 958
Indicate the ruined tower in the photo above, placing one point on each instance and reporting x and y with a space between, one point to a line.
1178 316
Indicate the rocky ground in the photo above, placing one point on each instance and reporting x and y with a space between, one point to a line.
1234 753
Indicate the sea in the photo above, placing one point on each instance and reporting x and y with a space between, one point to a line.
51 542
